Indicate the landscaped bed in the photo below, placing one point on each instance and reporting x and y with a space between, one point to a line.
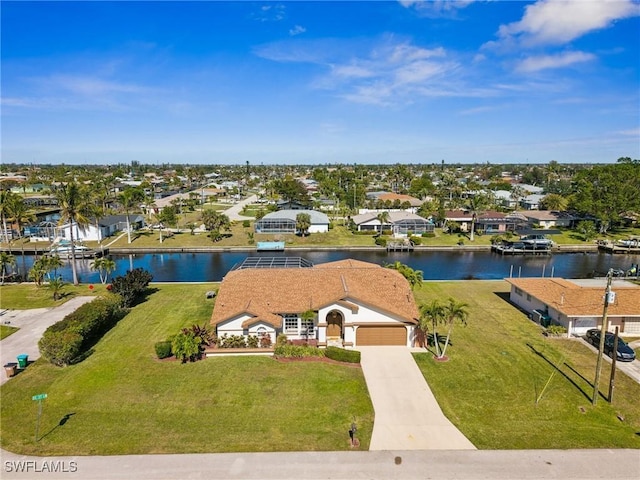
498 367
122 400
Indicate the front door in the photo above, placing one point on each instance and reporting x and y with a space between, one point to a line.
334 324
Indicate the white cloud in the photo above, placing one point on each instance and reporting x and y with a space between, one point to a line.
556 22
297 30
545 62
270 13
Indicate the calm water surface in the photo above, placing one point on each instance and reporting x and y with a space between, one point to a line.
210 267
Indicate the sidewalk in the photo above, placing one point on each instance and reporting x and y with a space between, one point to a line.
407 415
32 324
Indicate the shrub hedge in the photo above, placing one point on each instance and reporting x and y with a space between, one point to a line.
297 351
342 355
68 341
163 349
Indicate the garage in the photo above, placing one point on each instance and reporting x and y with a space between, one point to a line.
386 335
631 326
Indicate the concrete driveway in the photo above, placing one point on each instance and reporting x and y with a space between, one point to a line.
407 416
32 324
234 212
632 369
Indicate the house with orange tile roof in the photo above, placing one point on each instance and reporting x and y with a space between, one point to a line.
354 303
578 307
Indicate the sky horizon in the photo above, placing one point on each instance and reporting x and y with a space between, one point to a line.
366 82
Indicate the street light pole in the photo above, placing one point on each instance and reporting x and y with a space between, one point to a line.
603 333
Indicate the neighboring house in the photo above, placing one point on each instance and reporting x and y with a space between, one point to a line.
104 228
395 199
291 205
400 222
355 303
284 221
503 198
549 219
488 222
577 308
532 202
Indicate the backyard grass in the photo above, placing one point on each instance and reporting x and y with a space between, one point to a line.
122 400
22 296
499 365
6 330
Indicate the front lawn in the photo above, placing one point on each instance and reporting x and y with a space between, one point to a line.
24 296
498 367
6 330
122 400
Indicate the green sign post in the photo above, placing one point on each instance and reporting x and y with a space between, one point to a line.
39 399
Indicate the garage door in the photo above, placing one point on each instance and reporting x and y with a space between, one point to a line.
632 326
381 336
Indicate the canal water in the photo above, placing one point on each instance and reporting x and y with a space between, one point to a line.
435 265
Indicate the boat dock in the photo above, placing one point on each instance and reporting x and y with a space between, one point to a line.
505 249
621 246
399 247
270 247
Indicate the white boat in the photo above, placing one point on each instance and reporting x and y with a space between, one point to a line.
536 242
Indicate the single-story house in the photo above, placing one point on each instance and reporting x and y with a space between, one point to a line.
532 202
577 307
549 218
400 222
284 221
291 205
389 198
105 227
354 304
488 222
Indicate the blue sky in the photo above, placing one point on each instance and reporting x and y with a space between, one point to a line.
320 82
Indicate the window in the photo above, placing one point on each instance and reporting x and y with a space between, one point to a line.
518 291
290 323
261 332
528 297
307 327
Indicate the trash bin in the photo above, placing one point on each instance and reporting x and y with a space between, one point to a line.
22 360
10 369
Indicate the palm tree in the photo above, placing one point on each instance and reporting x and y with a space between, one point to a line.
74 205
104 266
6 260
129 199
7 197
477 204
51 263
553 201
56 285
383 218
452 311
303 222
19 213
431 313
414 277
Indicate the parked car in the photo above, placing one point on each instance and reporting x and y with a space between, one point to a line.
625 352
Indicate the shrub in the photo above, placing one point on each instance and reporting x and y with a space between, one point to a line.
366 232
68 340
232 341
281 339
131 286
556 330
186 346
163 349
246 223
428 235
415 240
382 241
252 341
297 351
265 341
342 355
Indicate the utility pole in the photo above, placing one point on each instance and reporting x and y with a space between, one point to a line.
613 366
603 333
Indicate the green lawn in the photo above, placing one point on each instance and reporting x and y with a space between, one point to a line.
27 295
6 330
499 365
122 400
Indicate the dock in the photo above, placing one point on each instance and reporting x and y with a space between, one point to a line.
270 247
399 247
503 249
624 246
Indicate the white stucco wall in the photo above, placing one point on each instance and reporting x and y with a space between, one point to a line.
233 326
319 228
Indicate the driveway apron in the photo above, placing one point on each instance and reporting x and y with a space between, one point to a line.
407 416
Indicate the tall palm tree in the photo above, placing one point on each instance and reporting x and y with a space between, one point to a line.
7 197
19 213
129 199
452 311
430 316
383 218
74 205
6 260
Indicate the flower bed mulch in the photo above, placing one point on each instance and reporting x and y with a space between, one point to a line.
314 359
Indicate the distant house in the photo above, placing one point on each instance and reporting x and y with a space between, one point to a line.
532 202
578 308
291 205
487 222
399 222
394 200
549 219
284 221
353 303
504 198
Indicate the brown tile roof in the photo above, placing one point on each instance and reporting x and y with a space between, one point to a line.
399 196
264 293
576 301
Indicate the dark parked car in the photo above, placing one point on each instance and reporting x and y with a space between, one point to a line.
625 352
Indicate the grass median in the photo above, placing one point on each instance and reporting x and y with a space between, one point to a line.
122 400
506 386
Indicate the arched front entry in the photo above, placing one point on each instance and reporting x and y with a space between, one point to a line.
334 324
